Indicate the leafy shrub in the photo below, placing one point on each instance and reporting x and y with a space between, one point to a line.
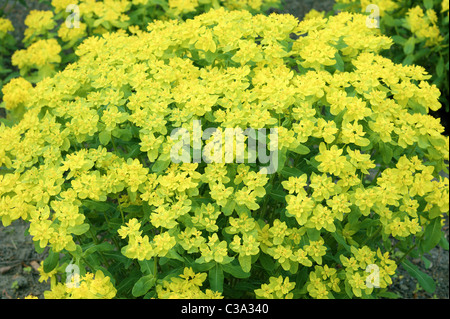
89 164
55 33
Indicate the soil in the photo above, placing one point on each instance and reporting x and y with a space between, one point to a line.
18 262
18 258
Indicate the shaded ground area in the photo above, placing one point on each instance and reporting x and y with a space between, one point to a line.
407 287
18 263
18 259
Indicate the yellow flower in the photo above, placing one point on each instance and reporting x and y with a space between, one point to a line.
90 286
423 25
183 6
42 55
61 5
16 92
444 6
38 23
186 286
5 27
332 161
313 13
277 288
71 34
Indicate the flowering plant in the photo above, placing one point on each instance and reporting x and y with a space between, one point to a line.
356 187
52 36
419 30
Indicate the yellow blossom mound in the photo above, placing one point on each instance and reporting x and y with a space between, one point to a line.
89 164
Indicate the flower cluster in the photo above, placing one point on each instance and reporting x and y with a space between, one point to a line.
424 25
16 92
367 269
38 23
89 286
419 30
42 57
186 286
89 163
277 288
5 27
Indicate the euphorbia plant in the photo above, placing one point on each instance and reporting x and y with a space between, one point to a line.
91 163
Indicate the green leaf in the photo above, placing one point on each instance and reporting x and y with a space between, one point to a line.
172 254
24 3
425 281
313 234
278 195
340 66
124 134
267 262
147 266
79 229
51 261
434 212
202 267
160 165
443 242
216 278
408 60
301 149
428 4
399 40
245 262
426 262
432 234
133 152
386 152
409 46
388 294
98 206
341 240
228 209
282 156
210 56
235 271
38 248
291 172
440 67
143 285
126 284
100 247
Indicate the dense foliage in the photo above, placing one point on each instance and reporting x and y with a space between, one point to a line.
419 29
357 186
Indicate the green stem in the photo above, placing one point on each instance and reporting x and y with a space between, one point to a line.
407 253
94 238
